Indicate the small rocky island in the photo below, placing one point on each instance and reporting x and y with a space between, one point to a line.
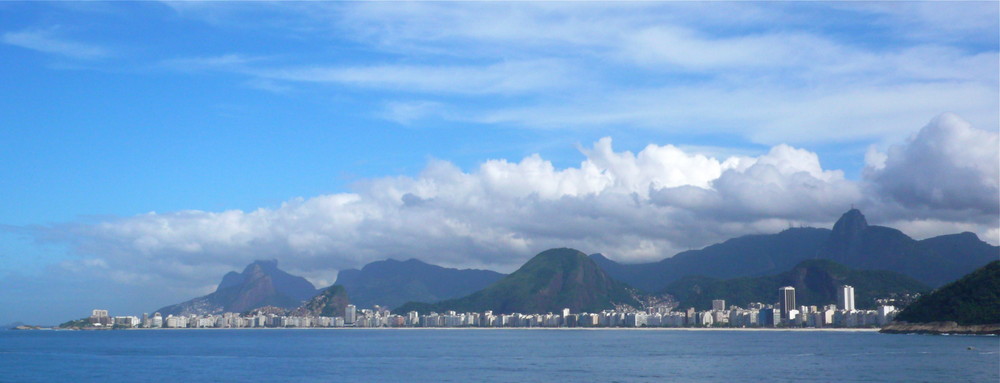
970 305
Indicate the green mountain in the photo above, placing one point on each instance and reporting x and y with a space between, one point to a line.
972 300
552 280
391 283
815 282
852 242
331 302
260 284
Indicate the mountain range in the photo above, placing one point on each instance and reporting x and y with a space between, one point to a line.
852 242
551 281
560 278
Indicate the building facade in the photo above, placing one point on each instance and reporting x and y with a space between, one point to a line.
786 296
845 298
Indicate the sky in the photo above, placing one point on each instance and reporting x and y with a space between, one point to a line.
147 148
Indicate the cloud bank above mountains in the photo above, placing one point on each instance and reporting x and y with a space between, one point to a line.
633 206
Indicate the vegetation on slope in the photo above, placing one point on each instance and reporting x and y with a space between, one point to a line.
972 300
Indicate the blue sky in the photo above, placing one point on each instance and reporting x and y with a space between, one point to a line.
153 143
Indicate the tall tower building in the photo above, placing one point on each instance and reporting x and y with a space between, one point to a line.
350 314
718 304
787 297
845 298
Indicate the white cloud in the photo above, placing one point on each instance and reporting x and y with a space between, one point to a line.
765 114
230 61
509 77
965 21
768 74
637 206
494 216
787 183
408 112
948 165
45 41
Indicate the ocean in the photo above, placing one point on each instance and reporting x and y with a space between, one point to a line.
504 355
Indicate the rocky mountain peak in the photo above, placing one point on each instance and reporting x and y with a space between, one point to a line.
850 224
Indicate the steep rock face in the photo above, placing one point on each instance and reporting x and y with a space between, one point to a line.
846 233
260 284
293 286
552 280
815 282
331 302
972 300
390 283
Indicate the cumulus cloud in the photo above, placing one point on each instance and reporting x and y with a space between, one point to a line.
636 206
947 166
785 183
494 216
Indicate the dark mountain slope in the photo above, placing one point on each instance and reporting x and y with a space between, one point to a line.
331 302
552 280
750 255
391 283
972 300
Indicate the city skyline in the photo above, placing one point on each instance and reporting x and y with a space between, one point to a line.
757 315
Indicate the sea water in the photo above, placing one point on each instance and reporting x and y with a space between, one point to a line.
505 355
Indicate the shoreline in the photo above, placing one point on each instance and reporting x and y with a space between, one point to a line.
723 329
941 328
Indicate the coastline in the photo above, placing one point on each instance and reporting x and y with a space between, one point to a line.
940 328
722 329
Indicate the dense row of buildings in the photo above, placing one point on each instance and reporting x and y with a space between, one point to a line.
783 314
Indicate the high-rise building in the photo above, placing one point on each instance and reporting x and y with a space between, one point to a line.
767 317
100 318
350 314
718 304
845 298
787 297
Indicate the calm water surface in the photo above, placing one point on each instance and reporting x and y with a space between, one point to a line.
493 355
